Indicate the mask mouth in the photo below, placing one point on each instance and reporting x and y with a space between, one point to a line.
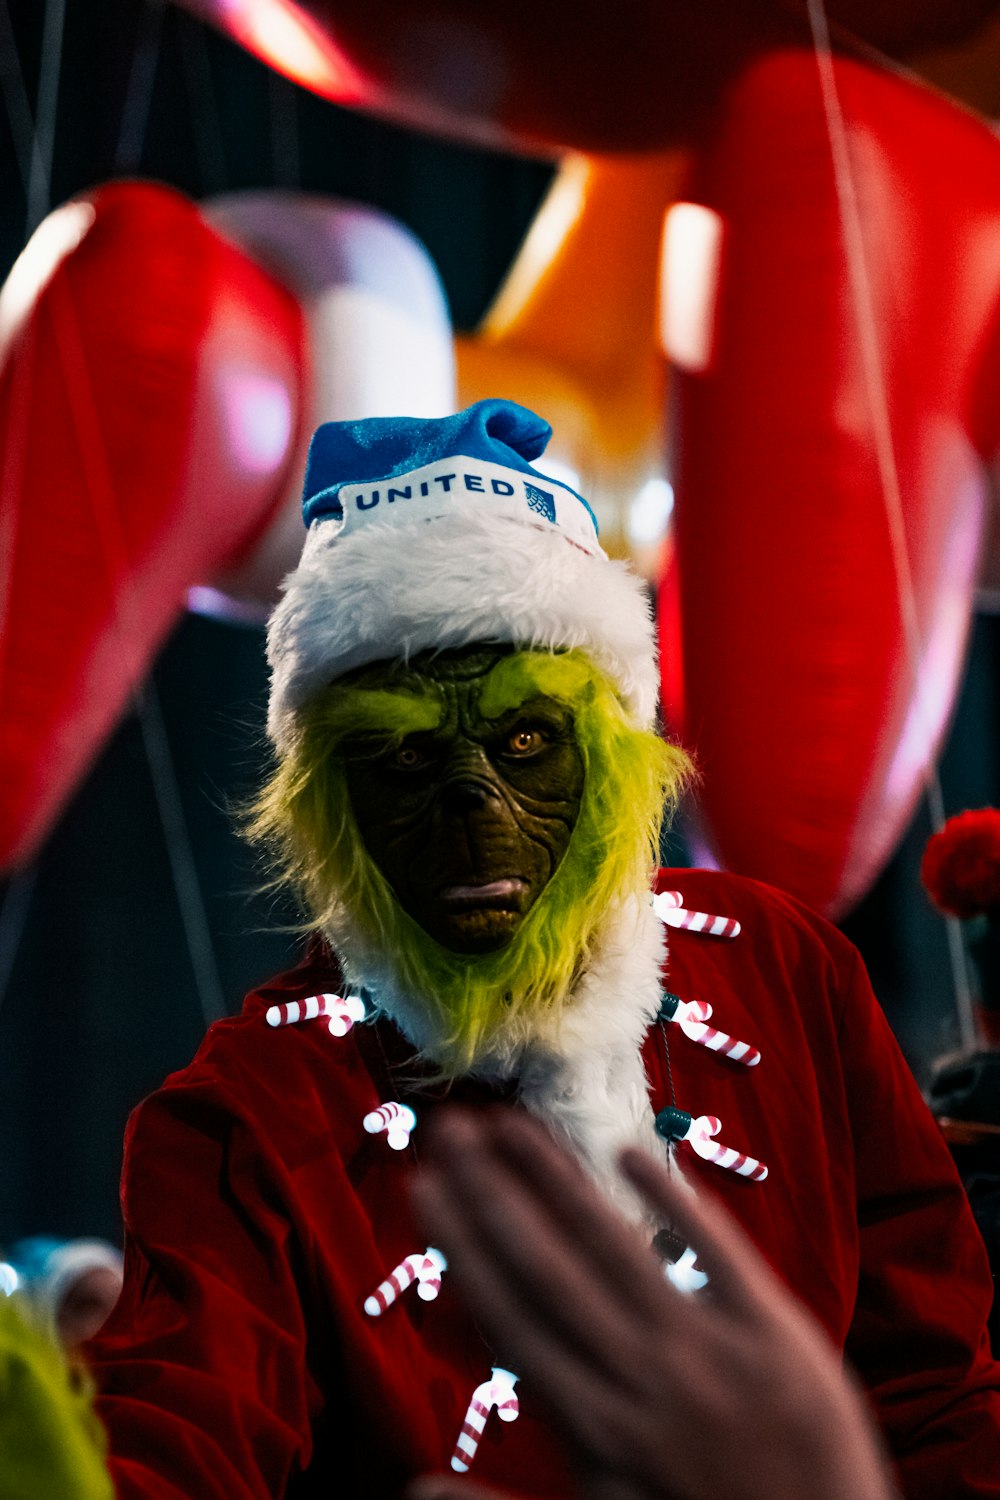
503 895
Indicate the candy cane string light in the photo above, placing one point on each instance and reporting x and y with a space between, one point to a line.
669 907
683 1274
341 1012
397 1120
426 1270
677 1125
691 1016
497 1392
345 1015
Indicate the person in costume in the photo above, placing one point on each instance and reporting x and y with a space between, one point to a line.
467 794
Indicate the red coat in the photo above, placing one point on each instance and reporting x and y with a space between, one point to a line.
259 1216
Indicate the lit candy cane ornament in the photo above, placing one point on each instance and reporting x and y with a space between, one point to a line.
669 907
497 1392
691 1016
397 1120
341 1012
677 1125
426 1270
683 1274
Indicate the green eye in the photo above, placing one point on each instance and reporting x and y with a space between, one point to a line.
408 758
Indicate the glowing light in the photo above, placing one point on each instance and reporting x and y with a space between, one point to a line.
426 1270
281 34
650 512
674 915
342 1013
56 237
497 1394
677 1125
429 1274
346 1015
692 1017
397 1120
682 1274
691 254
9 1279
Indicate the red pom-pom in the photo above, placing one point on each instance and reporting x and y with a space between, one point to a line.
961 864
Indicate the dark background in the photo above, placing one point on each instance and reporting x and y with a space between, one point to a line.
107 973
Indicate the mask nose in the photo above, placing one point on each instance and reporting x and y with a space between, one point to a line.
468 784
465 794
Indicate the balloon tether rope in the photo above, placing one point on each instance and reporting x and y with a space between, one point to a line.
139 92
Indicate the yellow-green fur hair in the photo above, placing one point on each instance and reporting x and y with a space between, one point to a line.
631 778
52 1445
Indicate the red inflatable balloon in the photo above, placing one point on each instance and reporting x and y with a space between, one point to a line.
813 726
598 77
150 393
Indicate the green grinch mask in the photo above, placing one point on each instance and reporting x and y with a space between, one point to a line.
473 818
468 820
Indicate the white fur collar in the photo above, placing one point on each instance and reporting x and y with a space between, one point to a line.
587 1079
581 1069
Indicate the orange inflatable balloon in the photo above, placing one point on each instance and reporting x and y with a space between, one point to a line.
587 75
827 558
151 381
572 332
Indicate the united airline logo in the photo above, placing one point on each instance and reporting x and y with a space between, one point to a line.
368 498
454 486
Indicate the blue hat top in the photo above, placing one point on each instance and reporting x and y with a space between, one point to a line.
398 469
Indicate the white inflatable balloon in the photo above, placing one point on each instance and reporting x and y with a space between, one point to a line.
380 339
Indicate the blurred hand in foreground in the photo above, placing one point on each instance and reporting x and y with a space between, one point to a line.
731 1393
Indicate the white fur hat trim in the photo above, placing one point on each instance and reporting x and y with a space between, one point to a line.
388 591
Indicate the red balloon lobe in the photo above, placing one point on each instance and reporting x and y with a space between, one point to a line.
150 396
821 659
596 77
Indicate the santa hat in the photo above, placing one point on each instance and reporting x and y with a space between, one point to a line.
440 533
